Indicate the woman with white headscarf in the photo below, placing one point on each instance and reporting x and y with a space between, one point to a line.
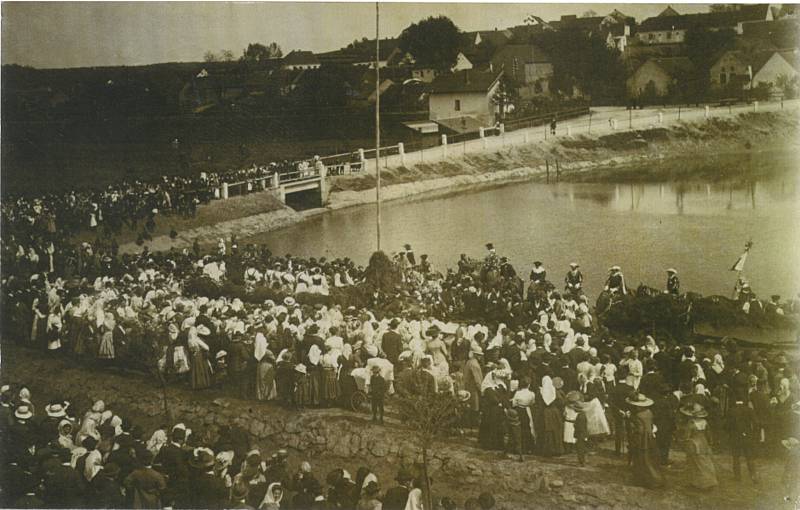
265 369
273 497
200 366
549 421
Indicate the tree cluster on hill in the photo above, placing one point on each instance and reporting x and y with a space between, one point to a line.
433 42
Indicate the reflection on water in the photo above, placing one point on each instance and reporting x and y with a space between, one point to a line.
697 227
681 197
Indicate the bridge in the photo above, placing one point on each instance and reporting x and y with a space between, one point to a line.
311 182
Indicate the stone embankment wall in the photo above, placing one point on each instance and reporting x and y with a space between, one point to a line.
331 438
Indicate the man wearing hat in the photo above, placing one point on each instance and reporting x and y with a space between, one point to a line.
473 377
206 489
173 463
143 487
392 342
409 255
377 393
106 488
580 425
742 431
641 442
396 497
673 283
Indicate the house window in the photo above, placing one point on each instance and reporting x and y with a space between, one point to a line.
458 105
650 36
723 78
669 35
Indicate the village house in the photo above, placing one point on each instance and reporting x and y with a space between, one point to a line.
744 70
299 59
781 65
660 77
527 66
466 94
667 28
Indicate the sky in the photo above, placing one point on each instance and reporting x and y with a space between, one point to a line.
84 34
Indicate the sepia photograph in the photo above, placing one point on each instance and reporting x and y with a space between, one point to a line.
399 255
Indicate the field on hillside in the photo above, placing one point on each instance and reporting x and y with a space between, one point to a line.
43 156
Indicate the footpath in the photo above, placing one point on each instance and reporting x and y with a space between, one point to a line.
506 158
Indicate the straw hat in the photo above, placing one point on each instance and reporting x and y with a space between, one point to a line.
301 368
55 410
464 395
694 410
23 412
202 458
639 400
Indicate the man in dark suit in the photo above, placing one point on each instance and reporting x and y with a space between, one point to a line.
392 342
396 497
207 489
172 461
742 429
618 406
64 487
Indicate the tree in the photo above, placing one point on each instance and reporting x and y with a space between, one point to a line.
788 86
428 415
226 56
256 52
433 42
584 62
381 275
703 46
210 56
723 7
504 96
589 14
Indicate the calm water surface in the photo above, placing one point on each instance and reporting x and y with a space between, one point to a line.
698 228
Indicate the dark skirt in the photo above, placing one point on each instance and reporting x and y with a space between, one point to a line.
200 370
330 389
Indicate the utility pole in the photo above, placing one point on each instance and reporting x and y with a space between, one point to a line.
378 122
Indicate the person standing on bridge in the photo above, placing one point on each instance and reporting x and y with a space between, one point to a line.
673 283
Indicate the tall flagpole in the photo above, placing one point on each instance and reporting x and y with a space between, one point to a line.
378 122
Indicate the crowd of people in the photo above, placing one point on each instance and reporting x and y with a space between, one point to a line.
132 204
55 455
533 372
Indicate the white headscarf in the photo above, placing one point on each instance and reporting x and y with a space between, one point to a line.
314 354
269 498
718 365
547 391
261 346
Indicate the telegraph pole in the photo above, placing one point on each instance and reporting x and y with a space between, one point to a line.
378 122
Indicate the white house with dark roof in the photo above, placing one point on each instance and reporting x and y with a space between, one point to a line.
465 93
299 59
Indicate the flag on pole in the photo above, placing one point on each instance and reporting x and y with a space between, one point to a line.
739 265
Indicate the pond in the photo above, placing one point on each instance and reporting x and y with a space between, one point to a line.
697 227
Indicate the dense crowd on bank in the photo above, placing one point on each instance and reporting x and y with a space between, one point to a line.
533 373
133 204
